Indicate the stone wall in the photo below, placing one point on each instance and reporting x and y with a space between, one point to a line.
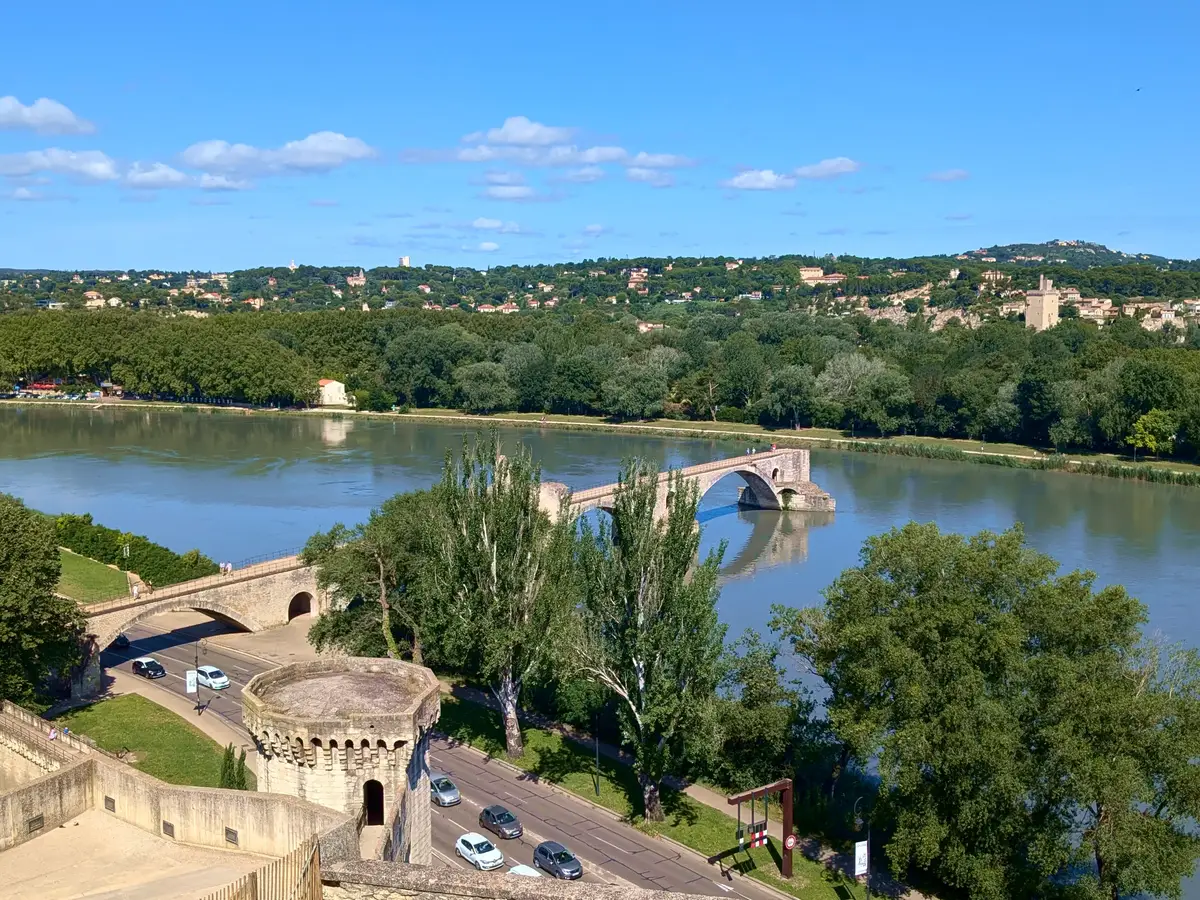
266 824
45 803
377 880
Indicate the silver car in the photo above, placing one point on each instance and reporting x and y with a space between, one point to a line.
443 791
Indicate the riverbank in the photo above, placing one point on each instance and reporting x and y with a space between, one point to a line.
740 435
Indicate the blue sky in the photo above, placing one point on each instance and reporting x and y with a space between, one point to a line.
228 135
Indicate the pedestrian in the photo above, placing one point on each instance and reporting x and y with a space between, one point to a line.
136 590
54 734
66 731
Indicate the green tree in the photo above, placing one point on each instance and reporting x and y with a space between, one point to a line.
1154 432
380 561
502 570
484 387
647 628
791 393
240 780
741 371
228 769
40 633
1022 729
636 390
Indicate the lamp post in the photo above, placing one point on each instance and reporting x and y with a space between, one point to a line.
858 824
596 734
201 647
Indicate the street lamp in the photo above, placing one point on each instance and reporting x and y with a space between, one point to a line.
858 824
201 647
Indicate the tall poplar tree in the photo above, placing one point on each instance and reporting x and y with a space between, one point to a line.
647 627
502 572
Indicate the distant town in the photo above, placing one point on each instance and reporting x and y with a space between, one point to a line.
1037 282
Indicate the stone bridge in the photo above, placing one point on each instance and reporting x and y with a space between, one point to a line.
255 598
775 479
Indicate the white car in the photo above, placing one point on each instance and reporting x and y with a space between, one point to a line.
212 677
527 871
479 851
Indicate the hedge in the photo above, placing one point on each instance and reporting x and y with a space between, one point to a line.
152 562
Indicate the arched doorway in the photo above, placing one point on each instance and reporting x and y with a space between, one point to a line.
301 605
373 801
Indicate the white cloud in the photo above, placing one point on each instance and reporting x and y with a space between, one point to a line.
655 177
222 183
87 165
562 155
829 168
585 175
520 131
594 230
155 176
485 224
504 178
319 152
659 160
509 192
949 175
489 246
760 180
45 116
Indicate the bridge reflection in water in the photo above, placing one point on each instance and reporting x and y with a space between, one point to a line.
776 537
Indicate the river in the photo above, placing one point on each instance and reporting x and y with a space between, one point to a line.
241 486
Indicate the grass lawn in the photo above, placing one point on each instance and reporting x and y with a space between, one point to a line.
161 743
553 758
88 581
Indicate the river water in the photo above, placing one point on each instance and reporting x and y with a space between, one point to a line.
240 486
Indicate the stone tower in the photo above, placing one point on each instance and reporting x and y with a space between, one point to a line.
1041 306
351 734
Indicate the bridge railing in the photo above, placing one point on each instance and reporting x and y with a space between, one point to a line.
254 567
688 472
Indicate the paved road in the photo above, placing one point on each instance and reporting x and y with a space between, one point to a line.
611 851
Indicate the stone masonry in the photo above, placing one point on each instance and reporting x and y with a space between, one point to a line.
348 734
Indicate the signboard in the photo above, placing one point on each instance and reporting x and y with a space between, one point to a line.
861 857
789 842
191 681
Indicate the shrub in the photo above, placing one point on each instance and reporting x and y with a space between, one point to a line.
152 562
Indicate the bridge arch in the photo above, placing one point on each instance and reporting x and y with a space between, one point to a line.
761 488
300 605
116 624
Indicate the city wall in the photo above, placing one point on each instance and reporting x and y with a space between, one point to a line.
45 803
378 880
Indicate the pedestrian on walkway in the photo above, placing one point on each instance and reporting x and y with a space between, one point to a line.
53 734
137 589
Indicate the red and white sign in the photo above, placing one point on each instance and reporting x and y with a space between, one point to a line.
789 842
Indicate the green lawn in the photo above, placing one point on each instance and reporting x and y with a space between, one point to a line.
160 742
88 581
563 762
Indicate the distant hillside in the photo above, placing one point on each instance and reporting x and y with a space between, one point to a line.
1074 253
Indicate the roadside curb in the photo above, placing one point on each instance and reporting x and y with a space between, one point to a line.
558 789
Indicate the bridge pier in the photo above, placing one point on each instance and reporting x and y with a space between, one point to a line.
760 499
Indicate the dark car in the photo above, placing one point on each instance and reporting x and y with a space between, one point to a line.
148 667
121 642
555 859
501 822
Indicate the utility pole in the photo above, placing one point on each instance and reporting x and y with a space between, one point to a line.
858 823
201 646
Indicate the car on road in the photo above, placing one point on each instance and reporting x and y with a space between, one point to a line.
121 642
555 859
148 667
212 677
527 871
501 822
443 791
479 851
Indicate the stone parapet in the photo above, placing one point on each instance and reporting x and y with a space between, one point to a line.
376 880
